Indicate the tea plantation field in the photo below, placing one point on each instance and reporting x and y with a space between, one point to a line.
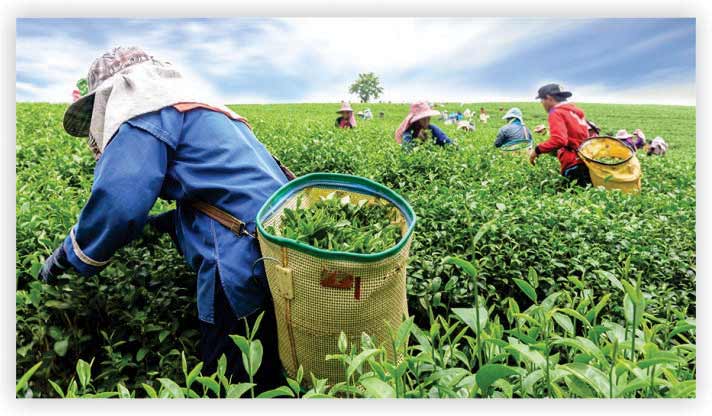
518 285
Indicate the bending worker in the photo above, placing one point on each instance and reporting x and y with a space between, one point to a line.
515 131
346 119
152 137
416 127
568 128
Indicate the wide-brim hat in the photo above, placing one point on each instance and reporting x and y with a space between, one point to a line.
623 134
77 117
345 107
421 110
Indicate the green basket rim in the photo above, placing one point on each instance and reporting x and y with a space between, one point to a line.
607 138
513 146
316 179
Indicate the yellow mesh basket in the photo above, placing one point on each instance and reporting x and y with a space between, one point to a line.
319 293
622 173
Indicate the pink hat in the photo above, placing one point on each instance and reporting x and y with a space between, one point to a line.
639 133
345 107
418 111
623 134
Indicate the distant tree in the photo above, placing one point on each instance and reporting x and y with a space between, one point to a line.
367 86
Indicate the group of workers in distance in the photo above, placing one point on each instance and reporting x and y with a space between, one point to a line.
567 128
153 135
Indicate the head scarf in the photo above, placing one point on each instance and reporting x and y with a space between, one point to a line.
137 90
418 110
141 87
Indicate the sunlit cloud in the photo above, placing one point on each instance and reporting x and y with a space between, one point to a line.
253 60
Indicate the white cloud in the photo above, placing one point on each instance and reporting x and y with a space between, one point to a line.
411 56
681 93
55 60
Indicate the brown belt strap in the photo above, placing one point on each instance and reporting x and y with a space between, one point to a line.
224 218
227 220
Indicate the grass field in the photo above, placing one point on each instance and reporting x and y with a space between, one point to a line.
581 292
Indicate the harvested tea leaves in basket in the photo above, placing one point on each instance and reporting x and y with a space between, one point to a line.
610 160
338 223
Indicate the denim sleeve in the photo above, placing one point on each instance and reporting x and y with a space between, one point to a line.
127 181
440 136
407 136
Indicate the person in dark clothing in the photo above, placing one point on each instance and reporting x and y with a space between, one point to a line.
154 137
515 131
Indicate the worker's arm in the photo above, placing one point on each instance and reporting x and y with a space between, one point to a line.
559 135
440 136
127 181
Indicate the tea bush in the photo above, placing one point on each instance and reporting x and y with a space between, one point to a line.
528 235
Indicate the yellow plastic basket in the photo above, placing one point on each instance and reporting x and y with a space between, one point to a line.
624 174
318 293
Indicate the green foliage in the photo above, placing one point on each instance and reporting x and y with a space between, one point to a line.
551 290
367 87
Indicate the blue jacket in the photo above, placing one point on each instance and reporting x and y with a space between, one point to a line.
512 132
199 154
440 138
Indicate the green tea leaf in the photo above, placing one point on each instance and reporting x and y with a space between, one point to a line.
60 347
282 391
235 391
22 382
171 388
489 373
378 389
526 288
468 316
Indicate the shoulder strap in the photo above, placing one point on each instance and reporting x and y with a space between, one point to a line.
288 173
526 132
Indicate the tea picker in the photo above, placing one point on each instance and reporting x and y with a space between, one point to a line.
416 127
152 136
515 132
568 129
346 119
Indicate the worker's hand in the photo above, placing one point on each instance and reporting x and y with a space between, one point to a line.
54 266
532 156
540 129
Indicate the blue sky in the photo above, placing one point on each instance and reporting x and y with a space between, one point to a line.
255 60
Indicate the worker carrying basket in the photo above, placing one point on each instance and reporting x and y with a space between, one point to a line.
611 163
318 292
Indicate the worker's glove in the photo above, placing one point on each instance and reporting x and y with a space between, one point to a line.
55 265
163 223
